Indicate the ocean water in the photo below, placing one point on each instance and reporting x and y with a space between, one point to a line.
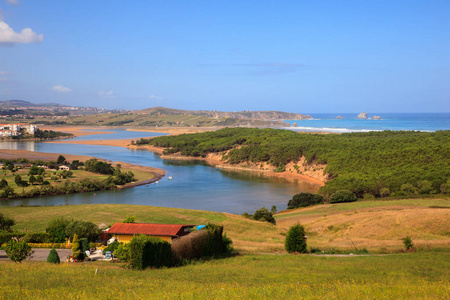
389 121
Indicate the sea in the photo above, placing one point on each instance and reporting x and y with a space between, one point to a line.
327 122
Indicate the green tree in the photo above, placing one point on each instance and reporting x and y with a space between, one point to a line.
3 183
273 209
57 230
129 219
77 253
33 170
425 187
304 200
408 188
83 229
40 179
342 196
18 180
53 257
445 187
32 179
6 223
17 251
61 160
296 239
385 192
8 192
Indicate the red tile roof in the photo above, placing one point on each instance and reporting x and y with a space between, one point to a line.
148 229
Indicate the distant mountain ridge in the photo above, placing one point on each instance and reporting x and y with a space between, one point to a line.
250 115
23 103
30 107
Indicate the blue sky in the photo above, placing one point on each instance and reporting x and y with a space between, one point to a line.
296 56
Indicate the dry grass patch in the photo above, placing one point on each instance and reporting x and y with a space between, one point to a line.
363 225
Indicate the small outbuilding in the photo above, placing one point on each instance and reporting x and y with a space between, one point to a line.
124 232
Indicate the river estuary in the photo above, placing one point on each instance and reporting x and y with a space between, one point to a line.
195 185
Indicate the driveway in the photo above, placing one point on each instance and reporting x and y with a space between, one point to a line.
41 254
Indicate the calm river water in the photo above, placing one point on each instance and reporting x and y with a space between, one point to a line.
195 185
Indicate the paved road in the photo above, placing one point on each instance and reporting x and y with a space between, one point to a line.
41 254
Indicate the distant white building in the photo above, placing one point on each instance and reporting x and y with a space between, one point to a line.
14 129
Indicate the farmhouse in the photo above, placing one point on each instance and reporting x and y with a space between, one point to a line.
124 232
63 167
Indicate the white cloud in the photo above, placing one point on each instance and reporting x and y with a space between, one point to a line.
13 2
4 78
109 93
26 36
3 73
61 89
155 97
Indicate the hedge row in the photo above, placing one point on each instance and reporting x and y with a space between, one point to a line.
29 237
147 251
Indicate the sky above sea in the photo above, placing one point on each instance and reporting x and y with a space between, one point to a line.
296 56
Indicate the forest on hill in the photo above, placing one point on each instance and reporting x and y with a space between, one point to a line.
392 162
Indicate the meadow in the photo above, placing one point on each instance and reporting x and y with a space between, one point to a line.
261 268
420 275
378 226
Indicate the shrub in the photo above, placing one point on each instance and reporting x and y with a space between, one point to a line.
147 251
84 244
7 236
36 237
208 242
342 196
17 251
445 187
217 243
304 200
385 192
76 250
111 247
263 214
53 257
408 189
130 219
123 252
295 239
368 196
407 241
280 168
190 246
425 187
6 223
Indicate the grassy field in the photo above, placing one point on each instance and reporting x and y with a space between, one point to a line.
77 176
377 226
400 276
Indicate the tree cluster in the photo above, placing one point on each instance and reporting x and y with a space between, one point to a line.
364 162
